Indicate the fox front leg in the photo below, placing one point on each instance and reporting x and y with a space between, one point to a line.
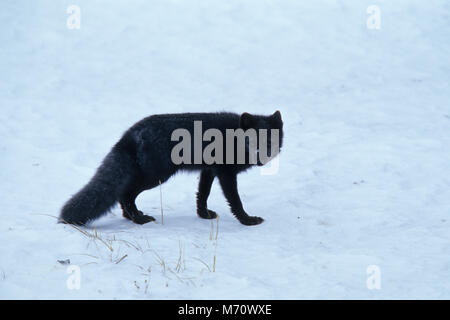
228 182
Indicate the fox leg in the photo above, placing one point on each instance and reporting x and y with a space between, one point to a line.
204 188
228 182
129 209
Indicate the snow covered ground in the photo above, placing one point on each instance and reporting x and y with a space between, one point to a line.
364 174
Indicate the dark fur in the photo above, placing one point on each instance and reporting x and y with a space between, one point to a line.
141 160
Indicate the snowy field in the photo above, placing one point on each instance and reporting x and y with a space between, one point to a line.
364 177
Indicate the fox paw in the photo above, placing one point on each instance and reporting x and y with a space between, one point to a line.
251 221
206 214
142 219
138 217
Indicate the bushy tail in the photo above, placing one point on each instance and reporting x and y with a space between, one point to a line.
101 193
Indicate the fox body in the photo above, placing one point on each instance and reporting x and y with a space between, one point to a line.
142 159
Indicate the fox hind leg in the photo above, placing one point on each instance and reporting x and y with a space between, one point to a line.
204 189
132 213
128 205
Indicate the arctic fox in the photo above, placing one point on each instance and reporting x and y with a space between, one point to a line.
143 158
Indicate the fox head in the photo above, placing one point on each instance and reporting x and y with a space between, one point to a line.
269 136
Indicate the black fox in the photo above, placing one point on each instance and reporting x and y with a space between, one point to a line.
141 160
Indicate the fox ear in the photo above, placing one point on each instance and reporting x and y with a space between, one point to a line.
276 116
246 120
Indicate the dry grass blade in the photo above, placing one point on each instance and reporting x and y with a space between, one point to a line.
204 263
120 260
161 203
